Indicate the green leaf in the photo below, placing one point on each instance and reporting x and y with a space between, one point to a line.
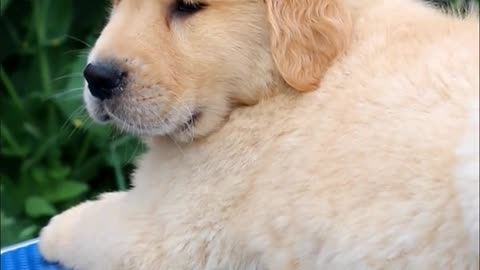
28 233
32 130
39 207
59 173
6 220
65 191
39 175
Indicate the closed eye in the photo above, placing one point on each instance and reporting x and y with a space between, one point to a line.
185 8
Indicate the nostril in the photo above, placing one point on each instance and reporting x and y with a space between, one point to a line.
103 79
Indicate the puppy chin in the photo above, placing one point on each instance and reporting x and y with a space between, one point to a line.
207 123
95 109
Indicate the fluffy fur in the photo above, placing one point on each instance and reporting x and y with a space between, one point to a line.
372 170
467 176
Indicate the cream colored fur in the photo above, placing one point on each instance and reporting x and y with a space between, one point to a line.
366 172
467 177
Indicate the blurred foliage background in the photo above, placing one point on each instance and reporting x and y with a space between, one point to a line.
52 155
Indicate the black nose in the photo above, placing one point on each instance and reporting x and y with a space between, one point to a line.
103 80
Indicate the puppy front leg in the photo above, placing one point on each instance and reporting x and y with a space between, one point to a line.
90 236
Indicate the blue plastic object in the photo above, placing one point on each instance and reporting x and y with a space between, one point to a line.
25 256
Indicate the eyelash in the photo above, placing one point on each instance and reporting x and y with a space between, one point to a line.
183 8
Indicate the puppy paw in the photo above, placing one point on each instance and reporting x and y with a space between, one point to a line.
57 239
48 245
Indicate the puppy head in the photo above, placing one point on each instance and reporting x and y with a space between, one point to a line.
178 67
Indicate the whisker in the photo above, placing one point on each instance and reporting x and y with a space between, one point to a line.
79 40
191 128
64 93
89 124
82 52
74 97
73 75
162 121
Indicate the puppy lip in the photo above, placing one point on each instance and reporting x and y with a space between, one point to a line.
104 118
196 115
101 115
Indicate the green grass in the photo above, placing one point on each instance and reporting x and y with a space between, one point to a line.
52 156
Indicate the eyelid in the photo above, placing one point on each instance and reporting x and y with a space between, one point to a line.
197 5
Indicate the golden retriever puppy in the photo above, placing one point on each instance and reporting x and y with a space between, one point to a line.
248 168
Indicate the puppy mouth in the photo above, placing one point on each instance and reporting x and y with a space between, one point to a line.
109 117
190 124
104 118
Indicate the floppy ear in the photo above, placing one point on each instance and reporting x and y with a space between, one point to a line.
307 35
